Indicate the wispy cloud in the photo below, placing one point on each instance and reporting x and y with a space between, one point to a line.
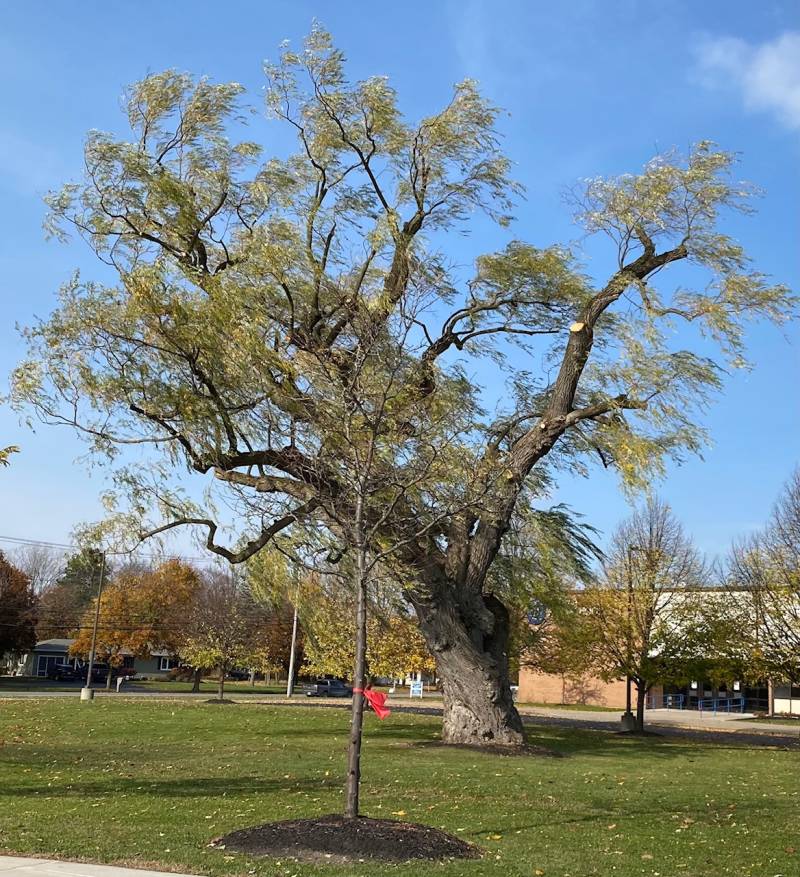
767 74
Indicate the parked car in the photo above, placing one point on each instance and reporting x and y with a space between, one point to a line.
100 672
329 688
238 674
66 673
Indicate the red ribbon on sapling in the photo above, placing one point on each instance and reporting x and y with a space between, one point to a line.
376 699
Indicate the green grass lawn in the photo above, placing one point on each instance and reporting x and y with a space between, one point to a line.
151 783
575 707
33 683
208 686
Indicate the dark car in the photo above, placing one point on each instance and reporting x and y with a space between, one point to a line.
329 688
66 673
100 672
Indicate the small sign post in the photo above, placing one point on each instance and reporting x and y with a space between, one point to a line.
415 689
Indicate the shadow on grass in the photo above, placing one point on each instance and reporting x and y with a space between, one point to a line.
180 787
579 741
633 812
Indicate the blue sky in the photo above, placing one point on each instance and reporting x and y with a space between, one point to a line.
590 88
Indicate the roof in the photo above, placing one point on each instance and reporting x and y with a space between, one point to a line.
55 644
62 645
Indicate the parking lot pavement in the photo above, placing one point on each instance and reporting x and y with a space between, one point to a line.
16 866
679 723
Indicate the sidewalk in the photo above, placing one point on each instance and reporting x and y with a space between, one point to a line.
674 718
13 866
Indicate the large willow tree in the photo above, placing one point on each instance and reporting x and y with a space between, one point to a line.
247 287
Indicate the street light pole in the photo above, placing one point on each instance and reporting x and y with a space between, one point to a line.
290 680
87 693
628 721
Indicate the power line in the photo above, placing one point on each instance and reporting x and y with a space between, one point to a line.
133 553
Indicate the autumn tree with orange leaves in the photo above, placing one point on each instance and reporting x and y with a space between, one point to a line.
140 611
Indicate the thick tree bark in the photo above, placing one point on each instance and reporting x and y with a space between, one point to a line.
196 681
641 694
472 663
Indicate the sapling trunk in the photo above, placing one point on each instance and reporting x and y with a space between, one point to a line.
359 678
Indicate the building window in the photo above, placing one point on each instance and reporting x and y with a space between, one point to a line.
166 663
127 661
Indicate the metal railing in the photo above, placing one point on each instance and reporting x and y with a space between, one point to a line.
716 705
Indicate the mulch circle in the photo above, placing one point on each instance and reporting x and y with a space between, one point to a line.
336 839
224 700
527 749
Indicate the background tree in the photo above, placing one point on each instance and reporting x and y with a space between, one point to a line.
545 557
141 611
395 646
64 603
17 610
644 617
5 454
116 610
764 572
222 626
43 565
244 286
277 586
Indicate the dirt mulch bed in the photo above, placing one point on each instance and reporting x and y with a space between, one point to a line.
527 749
336 839
217 700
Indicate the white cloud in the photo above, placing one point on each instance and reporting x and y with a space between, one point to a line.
766 74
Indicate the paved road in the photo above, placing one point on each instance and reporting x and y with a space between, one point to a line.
14 866
732 728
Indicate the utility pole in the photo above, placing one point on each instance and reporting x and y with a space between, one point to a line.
87 693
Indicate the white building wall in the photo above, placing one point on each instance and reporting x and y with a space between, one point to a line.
784 703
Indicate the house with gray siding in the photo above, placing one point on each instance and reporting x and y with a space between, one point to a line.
50 653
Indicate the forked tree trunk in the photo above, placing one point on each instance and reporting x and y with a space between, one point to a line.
472 663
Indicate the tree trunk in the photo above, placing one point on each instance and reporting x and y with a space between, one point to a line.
196 681
221 683
641 694
472 663
357 716
108 678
